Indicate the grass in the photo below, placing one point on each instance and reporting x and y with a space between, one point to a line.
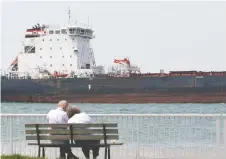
18 156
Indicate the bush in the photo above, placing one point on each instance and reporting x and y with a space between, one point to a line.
17 156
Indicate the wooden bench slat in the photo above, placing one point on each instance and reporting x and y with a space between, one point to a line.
75 137
73 145
33 125
75 131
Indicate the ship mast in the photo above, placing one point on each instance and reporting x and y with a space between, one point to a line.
69 15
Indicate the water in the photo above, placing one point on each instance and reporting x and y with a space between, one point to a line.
43 108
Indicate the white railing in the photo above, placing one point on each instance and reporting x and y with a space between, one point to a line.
143 135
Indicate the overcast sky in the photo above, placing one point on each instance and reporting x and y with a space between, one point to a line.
154 35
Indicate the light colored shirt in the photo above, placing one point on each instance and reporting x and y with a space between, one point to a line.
80 118
57 116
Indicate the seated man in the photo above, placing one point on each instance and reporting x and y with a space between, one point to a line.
76 116
59 116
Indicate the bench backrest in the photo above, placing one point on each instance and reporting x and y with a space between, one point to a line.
63 132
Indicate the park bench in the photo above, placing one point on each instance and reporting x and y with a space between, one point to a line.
42 134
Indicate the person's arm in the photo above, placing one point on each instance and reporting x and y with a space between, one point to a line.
65 118
91 120
47 117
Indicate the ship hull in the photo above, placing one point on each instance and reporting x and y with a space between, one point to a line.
210 89
124 98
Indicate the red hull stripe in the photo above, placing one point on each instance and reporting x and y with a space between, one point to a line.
35 30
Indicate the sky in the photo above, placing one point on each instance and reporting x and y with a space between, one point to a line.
172 36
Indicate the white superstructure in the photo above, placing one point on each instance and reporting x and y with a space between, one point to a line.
57 51
61 51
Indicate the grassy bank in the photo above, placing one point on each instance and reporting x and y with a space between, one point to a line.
17 156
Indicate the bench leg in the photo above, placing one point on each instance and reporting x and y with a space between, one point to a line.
39 149
43 152
109 152
105 153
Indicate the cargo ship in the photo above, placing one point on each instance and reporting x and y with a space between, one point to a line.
57 62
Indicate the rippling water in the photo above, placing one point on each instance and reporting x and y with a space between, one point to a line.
43 108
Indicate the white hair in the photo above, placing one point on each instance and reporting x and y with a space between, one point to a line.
62 102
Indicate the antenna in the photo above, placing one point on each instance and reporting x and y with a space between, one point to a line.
69 15
88 21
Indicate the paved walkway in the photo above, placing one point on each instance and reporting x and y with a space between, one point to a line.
126 152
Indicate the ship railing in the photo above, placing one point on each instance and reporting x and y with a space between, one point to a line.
15 75
144 135
82 35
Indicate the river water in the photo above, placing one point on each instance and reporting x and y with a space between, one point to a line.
43 108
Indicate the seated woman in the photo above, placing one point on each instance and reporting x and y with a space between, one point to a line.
76 116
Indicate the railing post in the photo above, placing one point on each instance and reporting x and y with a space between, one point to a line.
138 138
218 131
11 134
224 130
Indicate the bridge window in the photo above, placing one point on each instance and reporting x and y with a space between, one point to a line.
82 32
63 31
51 32
57 32
71 31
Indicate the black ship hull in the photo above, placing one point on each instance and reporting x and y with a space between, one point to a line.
176 89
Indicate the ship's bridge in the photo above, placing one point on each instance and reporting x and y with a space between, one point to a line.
80 31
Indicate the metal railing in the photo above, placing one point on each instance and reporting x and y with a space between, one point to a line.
143 135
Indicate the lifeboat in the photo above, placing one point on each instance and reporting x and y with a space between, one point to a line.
56 74
125 60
